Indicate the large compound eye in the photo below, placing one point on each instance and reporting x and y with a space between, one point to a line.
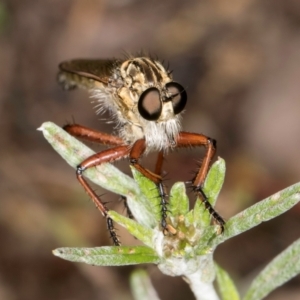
150 105
178 96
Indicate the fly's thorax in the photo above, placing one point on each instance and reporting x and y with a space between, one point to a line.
161 135
158 135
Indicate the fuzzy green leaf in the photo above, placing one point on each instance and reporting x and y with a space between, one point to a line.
179 202
214 181
141 286
141 232
109 256
280 270
149 190
262 211
212 187
207 244
200 214
226 286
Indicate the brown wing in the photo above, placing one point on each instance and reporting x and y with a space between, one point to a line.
86 73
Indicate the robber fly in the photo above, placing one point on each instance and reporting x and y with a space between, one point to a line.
146 105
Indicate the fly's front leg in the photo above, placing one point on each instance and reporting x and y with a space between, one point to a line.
93 135
186 139
105 156
137 151
109 155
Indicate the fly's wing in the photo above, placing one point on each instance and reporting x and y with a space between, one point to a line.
86 73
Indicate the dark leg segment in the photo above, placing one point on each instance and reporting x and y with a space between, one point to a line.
186 139
128 211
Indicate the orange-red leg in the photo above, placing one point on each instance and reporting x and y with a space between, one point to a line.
93 135
184 139
118 152
187 139
159 163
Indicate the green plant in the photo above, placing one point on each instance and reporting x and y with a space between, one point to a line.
188 251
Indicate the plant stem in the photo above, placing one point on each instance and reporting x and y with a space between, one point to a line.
201 289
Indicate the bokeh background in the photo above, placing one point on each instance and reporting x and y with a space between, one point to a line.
240 63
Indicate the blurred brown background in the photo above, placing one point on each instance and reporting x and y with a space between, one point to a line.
240 63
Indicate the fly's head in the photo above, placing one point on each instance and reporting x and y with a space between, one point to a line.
139 93
152 103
